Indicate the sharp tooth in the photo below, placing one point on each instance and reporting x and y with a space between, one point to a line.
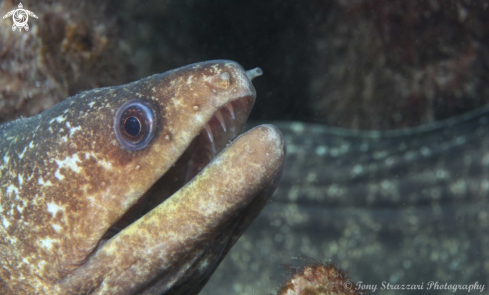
230 108
221 120
209 132
211 139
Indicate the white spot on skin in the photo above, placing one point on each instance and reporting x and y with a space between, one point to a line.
380 155
12 189
389 161
47 243
68 124
311 177
68 162
334 191
53 209
57 228
105 164
364 147
484 186
22 154
74 129
297 127
59 119
5 222
485 159
425 151
91 104
441 174
459 140
459 187
344 148
409 155
21 180
199 119
334 152
31 144
357 169
387 185
41 182
58 175
321 150
101 162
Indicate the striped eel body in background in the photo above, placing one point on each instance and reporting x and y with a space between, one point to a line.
403 206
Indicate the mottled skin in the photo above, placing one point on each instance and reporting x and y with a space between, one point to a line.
65 180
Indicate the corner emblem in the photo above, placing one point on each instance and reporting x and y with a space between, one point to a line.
20 17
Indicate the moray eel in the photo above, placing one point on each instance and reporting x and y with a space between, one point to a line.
91 190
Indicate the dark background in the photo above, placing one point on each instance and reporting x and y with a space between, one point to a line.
353 64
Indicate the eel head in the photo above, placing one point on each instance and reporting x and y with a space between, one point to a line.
135 189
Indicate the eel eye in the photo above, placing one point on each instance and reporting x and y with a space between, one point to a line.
134 124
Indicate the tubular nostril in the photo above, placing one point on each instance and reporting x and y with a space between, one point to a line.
252 74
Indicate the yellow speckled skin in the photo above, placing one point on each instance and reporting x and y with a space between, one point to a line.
65 180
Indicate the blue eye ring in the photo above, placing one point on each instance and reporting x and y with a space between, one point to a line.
134 123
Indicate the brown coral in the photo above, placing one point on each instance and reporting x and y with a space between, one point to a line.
317 278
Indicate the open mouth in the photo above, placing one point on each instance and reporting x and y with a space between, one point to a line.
217 133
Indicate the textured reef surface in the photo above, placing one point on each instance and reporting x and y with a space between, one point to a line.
63 53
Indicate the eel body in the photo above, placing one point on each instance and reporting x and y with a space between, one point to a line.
91 196
402 207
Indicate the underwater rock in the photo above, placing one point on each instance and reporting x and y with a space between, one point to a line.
63 53
394 64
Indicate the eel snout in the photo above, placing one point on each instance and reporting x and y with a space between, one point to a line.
177 246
